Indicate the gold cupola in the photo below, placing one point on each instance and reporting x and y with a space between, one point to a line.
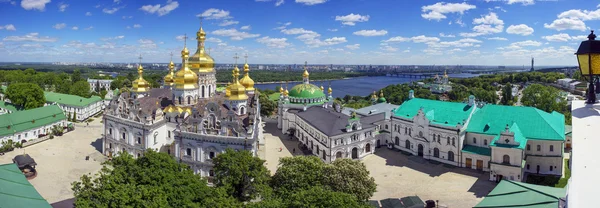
201 60
246 80
140 85
237 91
170 77
185 78
227 91
329 90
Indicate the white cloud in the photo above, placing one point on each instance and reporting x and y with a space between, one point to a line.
234 34
497 38
475 52
438 10
388 48
310 38
34 4
213 40
485 25
397 39
353 46
524 2
277 2
166 9
59 26
89 28
213 13
296 31
447 36
113 38
273 42
62 7
563 37
34 37
246 27
566 24
283 26
180 37
369 33
521 29
8 27
310 2
332 30
127 17
424 39
526 43
75 28
229 22
146 43
111 10
137 26
406 51
489 19
352 19
88 14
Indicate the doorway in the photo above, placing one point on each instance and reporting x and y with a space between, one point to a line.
498 178
355 153
480 165
468 163
377 144
420 150
538 169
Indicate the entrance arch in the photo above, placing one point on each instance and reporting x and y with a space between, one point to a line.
355 153
338 155
407 144
436 152
420 150
451 156
368 147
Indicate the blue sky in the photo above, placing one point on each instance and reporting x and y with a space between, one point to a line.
424 32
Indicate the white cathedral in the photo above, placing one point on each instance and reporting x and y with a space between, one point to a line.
187 117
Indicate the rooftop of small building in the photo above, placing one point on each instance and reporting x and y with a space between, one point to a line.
16 191
437 112
518 194
385 108
71 100
333 123
9 106
29 119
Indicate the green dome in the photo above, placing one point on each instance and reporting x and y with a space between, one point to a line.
381 100
306 91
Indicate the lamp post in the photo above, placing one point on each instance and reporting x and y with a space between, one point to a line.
588 57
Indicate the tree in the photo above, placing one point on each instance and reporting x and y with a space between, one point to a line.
352 177
241 175
76 76
267 106
542 97
27 95
74 119
577 75
69 117
321 197
153 180
507 97
81 88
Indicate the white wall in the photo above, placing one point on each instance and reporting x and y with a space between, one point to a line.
32 133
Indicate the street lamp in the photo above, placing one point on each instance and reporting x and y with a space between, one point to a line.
588 56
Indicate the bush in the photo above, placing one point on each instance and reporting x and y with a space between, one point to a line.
7 146
51 137
90 120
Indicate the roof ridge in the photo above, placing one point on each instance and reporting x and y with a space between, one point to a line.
538 111
535 190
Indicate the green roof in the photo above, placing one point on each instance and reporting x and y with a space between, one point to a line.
24 120
516 194
381 100
306 91
477 150
16 191
532 122
72 100
9 106
518 136
438 112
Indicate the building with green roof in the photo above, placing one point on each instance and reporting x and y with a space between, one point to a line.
6 107
507 141
516 194
16 191
30 124
73 104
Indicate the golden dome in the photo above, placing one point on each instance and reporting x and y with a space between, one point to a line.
237 91
322 88
374 95
246 80
286 92
201 60
170 109
305 74
140 84
188 110
445 75
227 92
329 90
170 77
186 78
281 89
185 52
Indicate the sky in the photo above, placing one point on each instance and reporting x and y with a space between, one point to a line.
378 32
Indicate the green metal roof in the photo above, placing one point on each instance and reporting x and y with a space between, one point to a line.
516 194
477 150
10 106
72 100
438 112
16 191
517 135
29 119
306 91
532 122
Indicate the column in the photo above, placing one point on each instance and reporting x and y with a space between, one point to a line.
177 150
199 154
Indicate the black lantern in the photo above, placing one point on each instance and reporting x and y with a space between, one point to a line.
588 56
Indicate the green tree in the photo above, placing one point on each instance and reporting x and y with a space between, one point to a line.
81 88
153 180
27 95
297 173
267 106
74 119
76 76
507 98
321 197
241 175
542 97
350 176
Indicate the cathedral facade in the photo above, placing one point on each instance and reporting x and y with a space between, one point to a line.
187 118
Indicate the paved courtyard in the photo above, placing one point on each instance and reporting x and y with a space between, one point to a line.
398 175
62 160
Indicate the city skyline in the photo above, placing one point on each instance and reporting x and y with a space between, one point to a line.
319 31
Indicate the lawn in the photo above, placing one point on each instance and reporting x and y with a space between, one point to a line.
274 96
552 180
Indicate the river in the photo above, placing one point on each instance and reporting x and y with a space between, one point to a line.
361 86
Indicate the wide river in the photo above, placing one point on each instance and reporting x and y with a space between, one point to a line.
361 86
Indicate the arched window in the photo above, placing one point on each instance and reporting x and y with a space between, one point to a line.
397 141
551 168
451 156
242 110
405 130
209 90
453 141
506 159
436 152
551 149
485 142
203 91
189 100
188 152
211 155
438 138
368 148
474 140
527 166
410 132
448 140
139 140
324 155
386 126
110 131
179 100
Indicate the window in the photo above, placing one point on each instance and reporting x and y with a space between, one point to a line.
528 147
124 136
474 140
139 140
420 134
188 152
386 126
506 159
539 147
110 131
409 132
155 138
485 142
551 168
448 140
453 141
405 130
211 155
211 173
551 148
25 135
527 166
169 134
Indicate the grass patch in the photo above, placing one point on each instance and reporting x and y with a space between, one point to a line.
274 96
563 181
89 120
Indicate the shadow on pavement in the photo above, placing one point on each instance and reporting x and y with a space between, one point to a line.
97 144
480 188
67 203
